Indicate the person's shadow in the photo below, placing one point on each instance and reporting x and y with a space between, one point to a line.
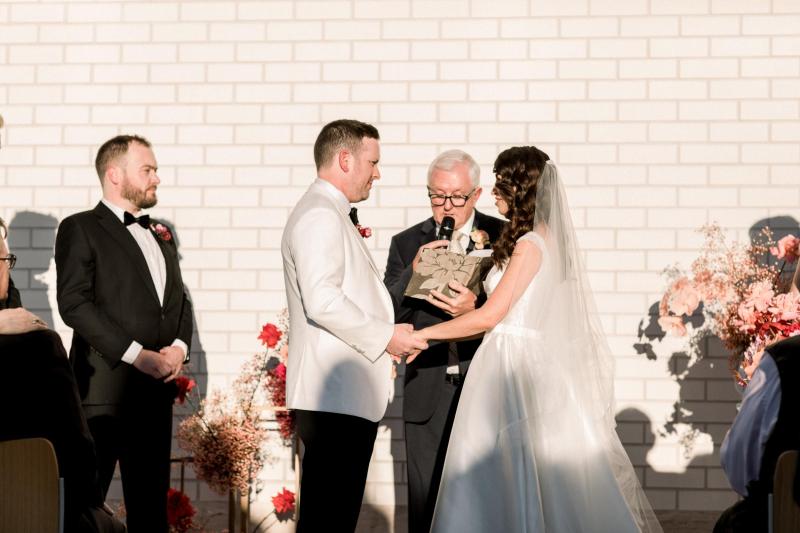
31 237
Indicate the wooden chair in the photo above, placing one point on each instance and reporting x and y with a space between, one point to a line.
785 510
31 493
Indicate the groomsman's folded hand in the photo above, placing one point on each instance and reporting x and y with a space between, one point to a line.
153 364
175 356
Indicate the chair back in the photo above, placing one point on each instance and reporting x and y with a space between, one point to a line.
30 499
785 509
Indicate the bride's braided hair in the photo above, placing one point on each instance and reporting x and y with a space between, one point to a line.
517 171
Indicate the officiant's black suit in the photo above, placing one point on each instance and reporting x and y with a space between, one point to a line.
429 400
107 295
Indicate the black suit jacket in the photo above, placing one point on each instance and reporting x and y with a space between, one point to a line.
425 374
107 295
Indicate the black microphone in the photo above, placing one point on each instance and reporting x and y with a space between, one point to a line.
446 228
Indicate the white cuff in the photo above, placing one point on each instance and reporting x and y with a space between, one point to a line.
132 352
182 345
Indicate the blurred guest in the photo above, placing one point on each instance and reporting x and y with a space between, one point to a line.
765 427
37 380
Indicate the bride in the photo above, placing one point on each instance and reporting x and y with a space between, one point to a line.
533 446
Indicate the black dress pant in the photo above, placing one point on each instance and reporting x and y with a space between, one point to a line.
426 447
335 463
140 439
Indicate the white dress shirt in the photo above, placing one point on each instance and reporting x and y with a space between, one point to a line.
743 447
155 264
464 231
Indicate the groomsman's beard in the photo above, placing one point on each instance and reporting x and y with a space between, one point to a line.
138 197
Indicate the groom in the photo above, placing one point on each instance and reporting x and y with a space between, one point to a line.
119 288
339 375
433 382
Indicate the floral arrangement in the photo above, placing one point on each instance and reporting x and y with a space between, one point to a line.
224 433
743 295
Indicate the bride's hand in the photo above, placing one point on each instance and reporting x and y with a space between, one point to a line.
419 335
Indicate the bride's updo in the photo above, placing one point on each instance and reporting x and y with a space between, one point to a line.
517 172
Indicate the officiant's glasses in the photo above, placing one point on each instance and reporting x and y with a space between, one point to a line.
457 200
12 260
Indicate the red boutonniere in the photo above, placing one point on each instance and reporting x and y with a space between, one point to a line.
162 232
365 232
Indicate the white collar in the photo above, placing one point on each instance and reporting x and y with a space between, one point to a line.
117 210
338 196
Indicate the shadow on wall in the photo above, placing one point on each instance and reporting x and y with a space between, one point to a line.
32 237
704 409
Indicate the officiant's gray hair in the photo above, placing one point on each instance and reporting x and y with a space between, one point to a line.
339 134
450 159
3 229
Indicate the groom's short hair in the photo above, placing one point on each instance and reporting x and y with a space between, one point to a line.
114 148
341 134
3 229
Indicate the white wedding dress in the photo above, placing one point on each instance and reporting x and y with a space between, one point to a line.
533 446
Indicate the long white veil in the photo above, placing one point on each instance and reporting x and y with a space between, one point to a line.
572 317
577 399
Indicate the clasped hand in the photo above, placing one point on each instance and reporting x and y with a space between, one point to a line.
164 364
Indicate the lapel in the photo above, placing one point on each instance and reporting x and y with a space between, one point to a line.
111 224
354 231
427 232
170 261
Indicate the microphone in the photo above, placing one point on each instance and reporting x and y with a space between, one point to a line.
446 228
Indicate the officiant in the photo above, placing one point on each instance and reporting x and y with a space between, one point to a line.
433 380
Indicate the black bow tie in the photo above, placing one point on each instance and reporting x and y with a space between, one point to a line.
143 221
354 216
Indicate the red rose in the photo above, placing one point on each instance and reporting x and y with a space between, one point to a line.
179 511
270 335
185 386
283 502
280 371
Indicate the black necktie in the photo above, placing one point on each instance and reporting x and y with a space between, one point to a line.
143 221
354 216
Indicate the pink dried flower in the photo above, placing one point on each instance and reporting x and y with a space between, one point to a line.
672 325
786 306
786 248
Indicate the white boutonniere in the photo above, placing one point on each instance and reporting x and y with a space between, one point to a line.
480 238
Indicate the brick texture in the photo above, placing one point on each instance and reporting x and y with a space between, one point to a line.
664 115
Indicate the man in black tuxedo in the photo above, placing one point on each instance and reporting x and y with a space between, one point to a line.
433 380
120 289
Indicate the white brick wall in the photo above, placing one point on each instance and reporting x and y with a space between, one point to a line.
664 115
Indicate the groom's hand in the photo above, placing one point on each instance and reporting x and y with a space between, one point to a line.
462 302
403 341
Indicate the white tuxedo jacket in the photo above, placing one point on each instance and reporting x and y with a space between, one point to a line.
340 313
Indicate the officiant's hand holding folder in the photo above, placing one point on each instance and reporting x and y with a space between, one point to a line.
437 267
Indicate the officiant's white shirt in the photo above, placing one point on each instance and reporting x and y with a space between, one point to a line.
340 313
